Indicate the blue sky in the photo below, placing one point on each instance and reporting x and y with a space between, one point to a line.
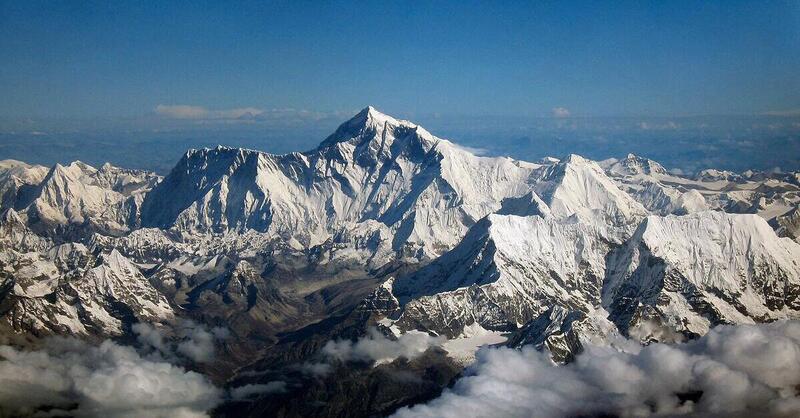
691 84
123 59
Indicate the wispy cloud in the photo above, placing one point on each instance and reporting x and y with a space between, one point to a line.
651 126
200 112
243 114
561 112
376 347
472 150
188 340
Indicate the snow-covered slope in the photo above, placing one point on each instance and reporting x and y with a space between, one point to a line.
770 195
633 165
15 236
577 186
649 183
563 332
788 224
17 182
426 190
692 272
572 282
104 200
506 271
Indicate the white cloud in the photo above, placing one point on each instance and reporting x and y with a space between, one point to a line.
200 112
650 126
240 113
188 340
199 344
744 370
151 338
676 171
107 380
281 117
182 111
561 112
471 150
377 348
315 369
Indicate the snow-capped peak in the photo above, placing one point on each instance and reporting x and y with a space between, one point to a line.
373 129
633 165
710 175
373 168
373 115
577 186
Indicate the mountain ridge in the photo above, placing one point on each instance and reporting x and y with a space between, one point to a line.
386 225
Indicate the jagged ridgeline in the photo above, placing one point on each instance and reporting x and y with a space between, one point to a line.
384 224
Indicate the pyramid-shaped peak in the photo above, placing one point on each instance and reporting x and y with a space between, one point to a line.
372 116
369 123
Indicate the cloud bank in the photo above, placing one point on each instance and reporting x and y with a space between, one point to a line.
114 380
748 370
108 380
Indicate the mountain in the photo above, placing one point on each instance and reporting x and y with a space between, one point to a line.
16 236
380 199
78 195
563 332
425 190
788 224
771 195
577 186
654 187
633 165
385 231
688 273
17 180
68 290
691 272
506 271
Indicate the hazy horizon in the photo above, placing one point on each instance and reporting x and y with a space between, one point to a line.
687 144
136 84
